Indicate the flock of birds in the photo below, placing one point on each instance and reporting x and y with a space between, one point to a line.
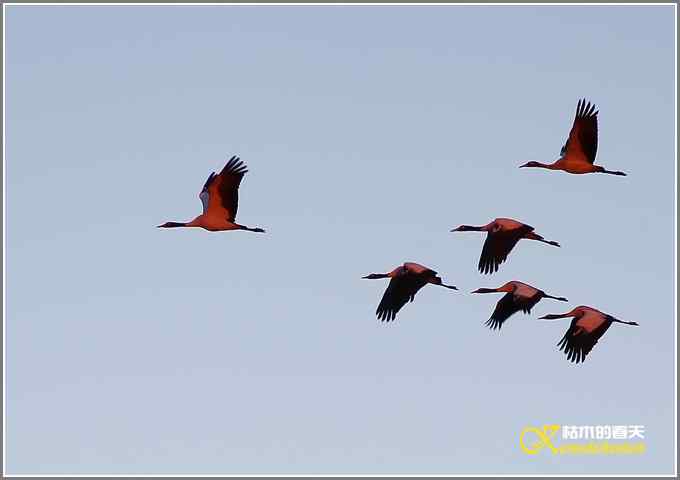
220 204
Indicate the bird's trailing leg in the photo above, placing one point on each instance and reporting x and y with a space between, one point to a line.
257 230
561 299
622 321
535 236
438 281
611 172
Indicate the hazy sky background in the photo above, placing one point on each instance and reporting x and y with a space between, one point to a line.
369 133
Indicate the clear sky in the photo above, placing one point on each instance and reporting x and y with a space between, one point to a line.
369 133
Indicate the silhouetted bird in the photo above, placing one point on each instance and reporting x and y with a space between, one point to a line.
502 236
578 154
518 296
405 281
586 328
220 201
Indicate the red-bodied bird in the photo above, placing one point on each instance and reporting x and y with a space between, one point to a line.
502 235
518 296
578 154
586 328
220 201
405 281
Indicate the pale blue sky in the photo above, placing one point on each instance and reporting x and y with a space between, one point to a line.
369 133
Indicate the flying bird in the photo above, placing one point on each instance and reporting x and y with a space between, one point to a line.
502 235
219 197
587 327
405 281
518 296
578 153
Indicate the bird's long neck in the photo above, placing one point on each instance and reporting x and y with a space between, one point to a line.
486 290
553 316
173 224
375 276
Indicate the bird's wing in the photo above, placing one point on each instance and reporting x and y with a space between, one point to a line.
577 342
222 190
527 303
582 141
508 306
399 292
498 245
505 308
205 194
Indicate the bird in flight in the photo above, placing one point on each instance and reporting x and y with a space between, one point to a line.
220 201
587 327
501 237
405 281
518 296
578 153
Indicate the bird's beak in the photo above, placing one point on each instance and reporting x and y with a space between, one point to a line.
367 276
454 230
475 291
